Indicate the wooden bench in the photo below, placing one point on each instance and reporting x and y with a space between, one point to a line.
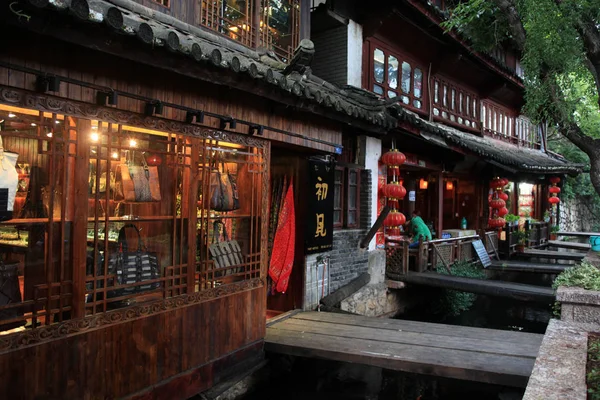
569 245
551 254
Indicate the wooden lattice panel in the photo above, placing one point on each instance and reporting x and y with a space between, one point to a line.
394 257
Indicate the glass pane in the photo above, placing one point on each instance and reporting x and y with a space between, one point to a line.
337 196
378 89
351 217
453 100
444 114
230 17
352 177
406 69
338 176
452 117
445 96
417 103
378 65
337 217
282 20
460 102
436 92
468 105
485 124
391 94
436 112
352 197
418 82
405 100
474 108
460 120
506 125
392 72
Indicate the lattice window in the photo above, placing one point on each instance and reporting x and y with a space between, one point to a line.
394 76
280 26
455 104
232 18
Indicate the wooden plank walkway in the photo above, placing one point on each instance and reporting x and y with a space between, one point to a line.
569 245
512 290
476 354
550 254
578 234
525 266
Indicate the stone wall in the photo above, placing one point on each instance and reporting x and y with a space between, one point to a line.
576 216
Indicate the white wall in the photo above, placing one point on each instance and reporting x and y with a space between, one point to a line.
355 50
372 156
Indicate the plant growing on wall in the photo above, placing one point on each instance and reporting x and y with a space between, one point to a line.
585 276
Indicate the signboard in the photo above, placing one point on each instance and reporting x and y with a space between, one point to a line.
319 223
381 181
482 253
412 196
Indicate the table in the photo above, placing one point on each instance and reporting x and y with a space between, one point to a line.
454 233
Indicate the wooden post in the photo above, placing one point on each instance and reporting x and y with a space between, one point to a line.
378 224
440 204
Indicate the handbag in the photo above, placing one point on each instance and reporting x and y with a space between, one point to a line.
133 266
9 182
225 253
137 183
223 191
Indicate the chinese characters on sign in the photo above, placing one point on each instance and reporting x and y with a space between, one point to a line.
319 224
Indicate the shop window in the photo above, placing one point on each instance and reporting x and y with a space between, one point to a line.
120 215
346 208
396 77
456 104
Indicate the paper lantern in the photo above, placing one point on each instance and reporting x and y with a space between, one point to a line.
504 181
503 196
423 184
502 212
394 190
394 204
393 231
497 203
554 189
553 200
393 158
394 219
554 180
497 183
449 185
496 222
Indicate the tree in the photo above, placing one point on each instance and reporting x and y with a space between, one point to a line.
559 41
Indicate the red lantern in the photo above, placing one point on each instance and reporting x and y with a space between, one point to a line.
504 181
393 204
394 219
153 160
497 203
393 157
394 190
554 189
393 231
503 196
502 212
497 183
496 222
553 200
554 180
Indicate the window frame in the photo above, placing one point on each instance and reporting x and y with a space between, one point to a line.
339 207
369 81
461 110
498 121
345 196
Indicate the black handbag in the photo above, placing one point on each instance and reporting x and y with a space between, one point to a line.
131 267
10 294
225 253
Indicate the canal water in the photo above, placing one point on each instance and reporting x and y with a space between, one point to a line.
301 378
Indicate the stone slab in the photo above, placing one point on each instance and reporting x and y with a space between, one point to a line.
559 370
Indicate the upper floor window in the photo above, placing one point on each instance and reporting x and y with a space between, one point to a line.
394 76
527 133
277 26
519 70
498 121
454 103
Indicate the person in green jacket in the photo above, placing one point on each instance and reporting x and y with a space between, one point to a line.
419 230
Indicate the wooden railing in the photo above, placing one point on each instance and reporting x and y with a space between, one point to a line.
429 254
538 235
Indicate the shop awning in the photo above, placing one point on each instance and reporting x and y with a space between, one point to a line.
501 154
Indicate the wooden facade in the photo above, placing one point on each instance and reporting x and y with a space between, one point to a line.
201 323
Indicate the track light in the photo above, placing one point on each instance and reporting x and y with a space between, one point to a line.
225 121
47 83
102 98
190 117
256 130
153 107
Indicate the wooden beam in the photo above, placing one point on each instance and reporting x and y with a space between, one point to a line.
555 255
349 289
529 267
378 224
569 245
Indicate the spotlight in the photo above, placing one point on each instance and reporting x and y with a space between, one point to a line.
256 130
106 97
227 121
190 117
153 107
132 143
94 136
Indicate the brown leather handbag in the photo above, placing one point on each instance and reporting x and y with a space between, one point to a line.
137 183
223 191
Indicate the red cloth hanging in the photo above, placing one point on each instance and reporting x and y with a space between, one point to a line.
282 259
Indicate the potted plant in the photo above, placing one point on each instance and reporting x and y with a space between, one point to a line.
553 232
546 216
521 237
511 219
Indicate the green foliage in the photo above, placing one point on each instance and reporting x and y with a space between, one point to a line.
554 229
521 236
593 373
584 275
511 217
453 302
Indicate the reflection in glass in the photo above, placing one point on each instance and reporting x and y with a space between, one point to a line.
468 108
453 100
405 100
445 96
406 69
436 92
378 65
460 102
418 82
378 89
417 103
392 72
391 94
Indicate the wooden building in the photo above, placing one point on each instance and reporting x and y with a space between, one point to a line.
143 139
459 110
